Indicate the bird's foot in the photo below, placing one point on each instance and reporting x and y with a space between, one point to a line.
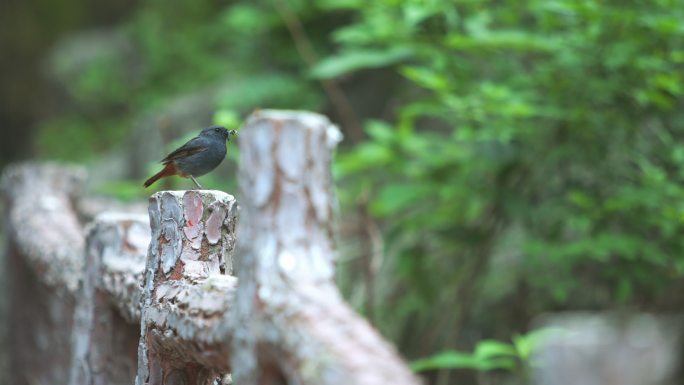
199 186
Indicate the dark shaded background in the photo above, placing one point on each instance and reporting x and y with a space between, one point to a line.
29 29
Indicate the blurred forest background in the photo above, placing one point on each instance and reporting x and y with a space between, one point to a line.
501 159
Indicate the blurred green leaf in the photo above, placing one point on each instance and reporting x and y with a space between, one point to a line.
380 131
394 198
357 59
229 119
490 348
446 360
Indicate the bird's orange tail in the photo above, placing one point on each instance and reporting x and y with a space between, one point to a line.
168 170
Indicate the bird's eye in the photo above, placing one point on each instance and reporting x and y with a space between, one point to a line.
217 129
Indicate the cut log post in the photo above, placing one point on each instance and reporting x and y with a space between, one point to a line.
44 259
290 323
188 288
107 320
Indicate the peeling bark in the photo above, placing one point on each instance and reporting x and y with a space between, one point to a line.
106 323
187 292
289 321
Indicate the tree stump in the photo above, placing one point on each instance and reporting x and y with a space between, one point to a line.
290 323
187 288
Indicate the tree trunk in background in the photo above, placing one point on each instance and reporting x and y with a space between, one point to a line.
40 320
106 333
290 323
43 262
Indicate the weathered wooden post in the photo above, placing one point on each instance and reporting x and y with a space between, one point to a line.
289 321
107 319
187 288
44 258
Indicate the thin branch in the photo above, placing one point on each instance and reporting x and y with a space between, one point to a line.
339 99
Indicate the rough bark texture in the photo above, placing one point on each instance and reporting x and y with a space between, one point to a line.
187 289
43 266
107 319
290 324
43 223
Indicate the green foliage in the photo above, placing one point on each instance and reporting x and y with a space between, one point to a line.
227 118
358 59
490 354
555 121
162 53
122 190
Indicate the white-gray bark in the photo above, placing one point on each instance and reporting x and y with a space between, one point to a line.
44 257
42 223
187 288
290 323
107 320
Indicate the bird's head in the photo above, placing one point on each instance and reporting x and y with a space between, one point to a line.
219 131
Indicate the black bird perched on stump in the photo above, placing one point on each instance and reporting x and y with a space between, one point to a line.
197 157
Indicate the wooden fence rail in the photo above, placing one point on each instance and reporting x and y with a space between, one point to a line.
98 298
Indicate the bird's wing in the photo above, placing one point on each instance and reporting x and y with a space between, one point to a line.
194 146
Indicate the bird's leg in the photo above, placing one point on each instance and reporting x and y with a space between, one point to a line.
196 183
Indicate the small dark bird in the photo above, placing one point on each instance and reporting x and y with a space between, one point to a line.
197 157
